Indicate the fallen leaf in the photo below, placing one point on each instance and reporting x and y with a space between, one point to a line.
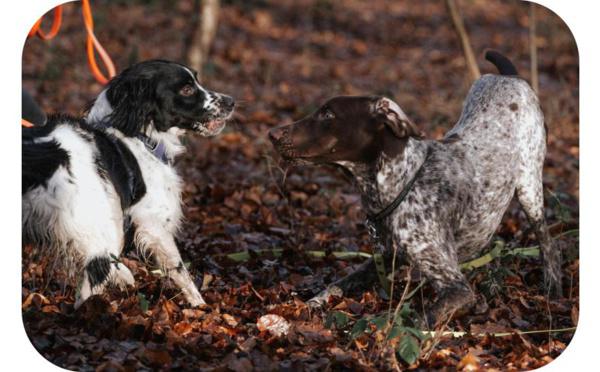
468 363
273 323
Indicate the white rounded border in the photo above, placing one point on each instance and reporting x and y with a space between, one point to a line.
19 353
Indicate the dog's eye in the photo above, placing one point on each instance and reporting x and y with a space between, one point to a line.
187 90
327 114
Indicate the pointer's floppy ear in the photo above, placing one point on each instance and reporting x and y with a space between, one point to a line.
395 119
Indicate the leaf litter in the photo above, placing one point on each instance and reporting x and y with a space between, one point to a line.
280 59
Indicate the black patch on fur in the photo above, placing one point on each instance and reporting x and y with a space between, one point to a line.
98 269
134 103
502 63
129 228
40 160
146 94
117 163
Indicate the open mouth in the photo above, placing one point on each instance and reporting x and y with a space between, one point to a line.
212 127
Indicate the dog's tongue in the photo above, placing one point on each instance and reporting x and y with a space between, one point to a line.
213 125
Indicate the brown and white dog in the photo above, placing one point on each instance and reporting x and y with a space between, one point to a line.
455 191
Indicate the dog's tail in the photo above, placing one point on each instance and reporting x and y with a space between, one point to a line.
502 63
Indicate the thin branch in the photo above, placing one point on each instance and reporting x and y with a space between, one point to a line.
501 334
464 39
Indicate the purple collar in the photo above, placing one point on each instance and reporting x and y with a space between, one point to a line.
157 149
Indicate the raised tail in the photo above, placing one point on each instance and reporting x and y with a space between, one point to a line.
502 63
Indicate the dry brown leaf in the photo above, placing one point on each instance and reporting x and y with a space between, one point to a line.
230 320
468 363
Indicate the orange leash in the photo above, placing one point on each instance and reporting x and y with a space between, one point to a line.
37 30
26 123
92 44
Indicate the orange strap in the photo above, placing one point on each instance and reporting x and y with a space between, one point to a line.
26 124
92 44
37 30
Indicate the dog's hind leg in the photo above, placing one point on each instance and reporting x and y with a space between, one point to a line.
98 238
531 197
530 193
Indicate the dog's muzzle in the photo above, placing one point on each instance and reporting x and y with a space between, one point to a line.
217 119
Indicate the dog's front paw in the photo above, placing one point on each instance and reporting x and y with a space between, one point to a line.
198 303
450 301
195 298
122 276
322 298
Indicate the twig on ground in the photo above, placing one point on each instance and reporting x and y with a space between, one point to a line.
245 255
498 251
403 298
437 335
501 334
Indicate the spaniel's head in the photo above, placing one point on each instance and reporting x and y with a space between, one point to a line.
158 96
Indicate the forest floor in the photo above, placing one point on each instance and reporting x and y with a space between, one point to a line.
281 60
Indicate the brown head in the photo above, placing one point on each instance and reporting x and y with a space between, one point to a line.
345 129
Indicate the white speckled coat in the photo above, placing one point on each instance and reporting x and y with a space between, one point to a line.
496 148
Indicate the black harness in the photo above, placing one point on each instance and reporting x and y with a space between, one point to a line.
375 221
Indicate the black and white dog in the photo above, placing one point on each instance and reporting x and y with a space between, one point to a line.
94 185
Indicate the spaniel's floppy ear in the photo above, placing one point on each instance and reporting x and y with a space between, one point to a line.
395 119
133 102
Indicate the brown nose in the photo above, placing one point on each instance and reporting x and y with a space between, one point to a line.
276 134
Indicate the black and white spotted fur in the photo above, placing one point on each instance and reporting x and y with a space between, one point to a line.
496 150
92 186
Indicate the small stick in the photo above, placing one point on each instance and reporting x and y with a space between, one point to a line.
500 334
464 39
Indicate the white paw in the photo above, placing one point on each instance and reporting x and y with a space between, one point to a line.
195 299
84 292
122 276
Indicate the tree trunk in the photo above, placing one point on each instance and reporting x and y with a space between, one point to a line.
203 34
533 48
464 39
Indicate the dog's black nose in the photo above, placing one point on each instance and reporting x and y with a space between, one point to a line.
275 134
228 103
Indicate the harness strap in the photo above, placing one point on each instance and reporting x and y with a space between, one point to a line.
158 149
374 225
385 212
